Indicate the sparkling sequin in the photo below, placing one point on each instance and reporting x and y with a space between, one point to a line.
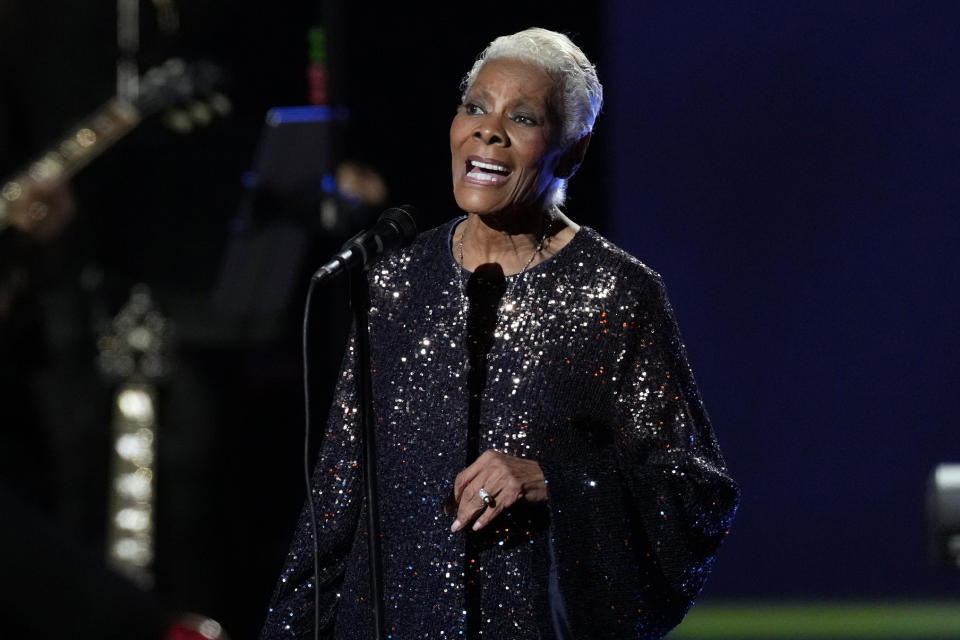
576 363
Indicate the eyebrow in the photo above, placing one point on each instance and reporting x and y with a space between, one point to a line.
520 101
474 89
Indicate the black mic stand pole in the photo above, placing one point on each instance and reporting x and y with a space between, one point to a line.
360 302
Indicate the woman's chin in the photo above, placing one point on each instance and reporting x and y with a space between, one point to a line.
480 204
494 208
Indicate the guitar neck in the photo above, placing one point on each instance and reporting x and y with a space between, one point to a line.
109 124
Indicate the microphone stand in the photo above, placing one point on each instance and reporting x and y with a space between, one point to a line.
360 303
396 226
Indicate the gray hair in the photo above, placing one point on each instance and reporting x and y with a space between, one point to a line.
578 92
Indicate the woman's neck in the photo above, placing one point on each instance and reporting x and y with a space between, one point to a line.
514 242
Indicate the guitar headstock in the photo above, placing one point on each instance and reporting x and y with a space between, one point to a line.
188 94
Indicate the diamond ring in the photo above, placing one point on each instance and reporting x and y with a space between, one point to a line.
486 497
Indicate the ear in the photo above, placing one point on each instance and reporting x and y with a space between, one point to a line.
572 157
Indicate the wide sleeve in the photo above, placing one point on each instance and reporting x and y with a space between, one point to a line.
639 494
337 490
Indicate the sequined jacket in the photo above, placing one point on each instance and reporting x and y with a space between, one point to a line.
576 363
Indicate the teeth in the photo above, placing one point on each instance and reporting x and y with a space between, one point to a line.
489 166
489 177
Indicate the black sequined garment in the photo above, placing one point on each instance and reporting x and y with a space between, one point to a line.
576 363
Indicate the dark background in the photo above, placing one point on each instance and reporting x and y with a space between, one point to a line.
789 168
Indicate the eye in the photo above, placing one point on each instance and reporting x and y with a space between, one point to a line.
472 109
525 119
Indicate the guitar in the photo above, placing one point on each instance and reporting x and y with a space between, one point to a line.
187 92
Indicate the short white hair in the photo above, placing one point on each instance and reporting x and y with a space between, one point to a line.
578 94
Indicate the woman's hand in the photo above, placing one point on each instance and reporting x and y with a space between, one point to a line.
508 480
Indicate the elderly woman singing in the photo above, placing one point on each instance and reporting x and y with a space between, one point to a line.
546 467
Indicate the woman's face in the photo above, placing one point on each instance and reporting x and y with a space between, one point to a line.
504 140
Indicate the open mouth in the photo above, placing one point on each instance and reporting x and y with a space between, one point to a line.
486 171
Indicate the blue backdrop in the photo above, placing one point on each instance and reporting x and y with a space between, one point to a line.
791 169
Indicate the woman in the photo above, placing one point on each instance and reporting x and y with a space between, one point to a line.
600 496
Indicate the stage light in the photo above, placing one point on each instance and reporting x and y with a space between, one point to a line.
140 338
133 519
135 486
136 447
136 405
132 552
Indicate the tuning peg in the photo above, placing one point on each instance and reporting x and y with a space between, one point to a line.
200 113
175 66
220 104
178 120
155 77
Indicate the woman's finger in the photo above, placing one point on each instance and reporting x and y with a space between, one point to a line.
486 518
472 509
489 514
467 475
463 479
471 506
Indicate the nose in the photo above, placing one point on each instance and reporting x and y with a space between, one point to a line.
490 131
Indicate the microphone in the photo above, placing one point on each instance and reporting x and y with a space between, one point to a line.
395 228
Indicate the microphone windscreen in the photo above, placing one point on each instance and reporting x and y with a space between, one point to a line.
402 220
